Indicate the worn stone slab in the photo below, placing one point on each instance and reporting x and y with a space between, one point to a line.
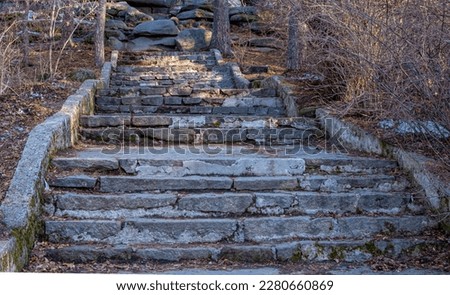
322 251
73 181
121 184
80 230
72 201
345 183
210 202
151 121
265 183
104 164
358 227
176 231
246 167
276 228
176 254
154 100
104 121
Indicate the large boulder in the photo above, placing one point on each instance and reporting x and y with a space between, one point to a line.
126 12
195 14
162 27
144 43
194 40
194 4
160 3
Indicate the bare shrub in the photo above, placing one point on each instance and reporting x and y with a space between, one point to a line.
380 59
9 55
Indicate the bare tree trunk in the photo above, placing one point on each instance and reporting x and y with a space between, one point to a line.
221 38
68 23
26 35
295 44
100 34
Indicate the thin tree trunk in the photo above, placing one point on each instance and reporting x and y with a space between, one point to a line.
68 24
221 38
100 34
26 35
295 44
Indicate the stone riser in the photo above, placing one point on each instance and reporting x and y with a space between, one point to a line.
169 205
195 121
146 136
200 91
132 184
188 109
297 252
253 230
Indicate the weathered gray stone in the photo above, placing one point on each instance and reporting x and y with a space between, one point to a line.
71 201
80 230
194 40
164 27
152 100
182 91
115 24
173 100
104 121
276 228
177 231
137 184
195 14
247 167
115 43
249 254
85 164
274 200
265 183
161 3
226 203
153 90
145 43
75 181
128 165
151 121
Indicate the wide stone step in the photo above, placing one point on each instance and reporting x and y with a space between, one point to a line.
240 96
296 252
195 121
189 107
147 136
252 230
90 159
148 183
170 205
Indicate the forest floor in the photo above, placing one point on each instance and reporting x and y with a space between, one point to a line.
32 102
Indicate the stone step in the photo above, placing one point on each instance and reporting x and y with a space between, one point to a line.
175 205
252 230
92 158
180 102
148 183
240 96
195 121
174 68
294 252
149 136
188 109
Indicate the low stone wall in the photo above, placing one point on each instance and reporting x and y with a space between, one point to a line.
349 135
20 211
283 91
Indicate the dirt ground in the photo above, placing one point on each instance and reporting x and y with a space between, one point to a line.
32 102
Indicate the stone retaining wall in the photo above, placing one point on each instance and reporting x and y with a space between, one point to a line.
20 210
437 192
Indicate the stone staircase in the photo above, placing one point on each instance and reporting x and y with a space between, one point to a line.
180 165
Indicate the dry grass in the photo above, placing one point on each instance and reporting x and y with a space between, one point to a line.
380 59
